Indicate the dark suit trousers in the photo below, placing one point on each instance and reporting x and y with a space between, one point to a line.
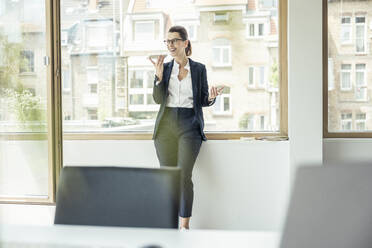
177 143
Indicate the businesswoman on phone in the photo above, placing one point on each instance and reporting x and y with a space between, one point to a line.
181 87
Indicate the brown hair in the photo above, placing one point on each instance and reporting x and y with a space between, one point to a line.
183 33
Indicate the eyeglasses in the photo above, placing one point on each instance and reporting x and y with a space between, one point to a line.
172 41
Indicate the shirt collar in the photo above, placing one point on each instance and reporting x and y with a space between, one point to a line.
176 66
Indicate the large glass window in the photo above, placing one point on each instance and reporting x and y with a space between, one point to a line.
348 102
25 171
116 81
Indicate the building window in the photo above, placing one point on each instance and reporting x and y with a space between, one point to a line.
92 114
27 62
331 80
98 37
66 80
262 122
360 82
144 30
92 88
140 89
64 37
360 34
221 17
247 122
221 53
136 99
251 76
191 28
223 102
345 29
255 30
268 4
346 120
346 77
360 121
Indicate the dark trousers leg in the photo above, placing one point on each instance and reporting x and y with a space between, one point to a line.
188 149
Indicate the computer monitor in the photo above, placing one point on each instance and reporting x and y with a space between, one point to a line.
330 207
118 196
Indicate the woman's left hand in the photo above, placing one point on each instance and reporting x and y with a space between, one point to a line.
214 92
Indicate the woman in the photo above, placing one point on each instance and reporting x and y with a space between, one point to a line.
181 88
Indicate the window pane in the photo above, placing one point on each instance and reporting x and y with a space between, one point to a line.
226 104
144 31
349 20
123 77
23 100
136 79
360 39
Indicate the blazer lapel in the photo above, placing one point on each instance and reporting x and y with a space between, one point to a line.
194 78
167 73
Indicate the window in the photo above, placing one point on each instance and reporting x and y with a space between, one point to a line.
247 122
222 106
27 105
360 122
346 121
331 81
27 62
92 75
268 3
251 77
192 29
221 17
360 82
360 34
136 99
345 29
66 81
262 122
92 114
346 77
122 83
92 88
140 91
64 37
97 37
221 53
255 30
144 30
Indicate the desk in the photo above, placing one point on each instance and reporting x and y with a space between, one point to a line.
67 236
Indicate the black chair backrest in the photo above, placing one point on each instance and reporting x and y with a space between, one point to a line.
118 196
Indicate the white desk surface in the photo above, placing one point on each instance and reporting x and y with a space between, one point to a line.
67 236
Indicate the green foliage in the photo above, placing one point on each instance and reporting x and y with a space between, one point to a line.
274 78
25 107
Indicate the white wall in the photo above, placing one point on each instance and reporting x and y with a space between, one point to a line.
347 151
305 82
236 185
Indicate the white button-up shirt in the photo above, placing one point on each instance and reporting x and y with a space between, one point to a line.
180 92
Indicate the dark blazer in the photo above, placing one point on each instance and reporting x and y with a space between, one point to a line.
199 90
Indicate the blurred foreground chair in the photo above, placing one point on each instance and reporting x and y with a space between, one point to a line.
118 196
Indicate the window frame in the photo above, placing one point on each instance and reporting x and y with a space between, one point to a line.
326 132
350 71
54 113
365 84
55 87
223 135
348 25
364 34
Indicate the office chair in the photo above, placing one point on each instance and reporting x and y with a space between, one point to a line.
118 196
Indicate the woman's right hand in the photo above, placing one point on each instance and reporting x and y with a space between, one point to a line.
158 66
